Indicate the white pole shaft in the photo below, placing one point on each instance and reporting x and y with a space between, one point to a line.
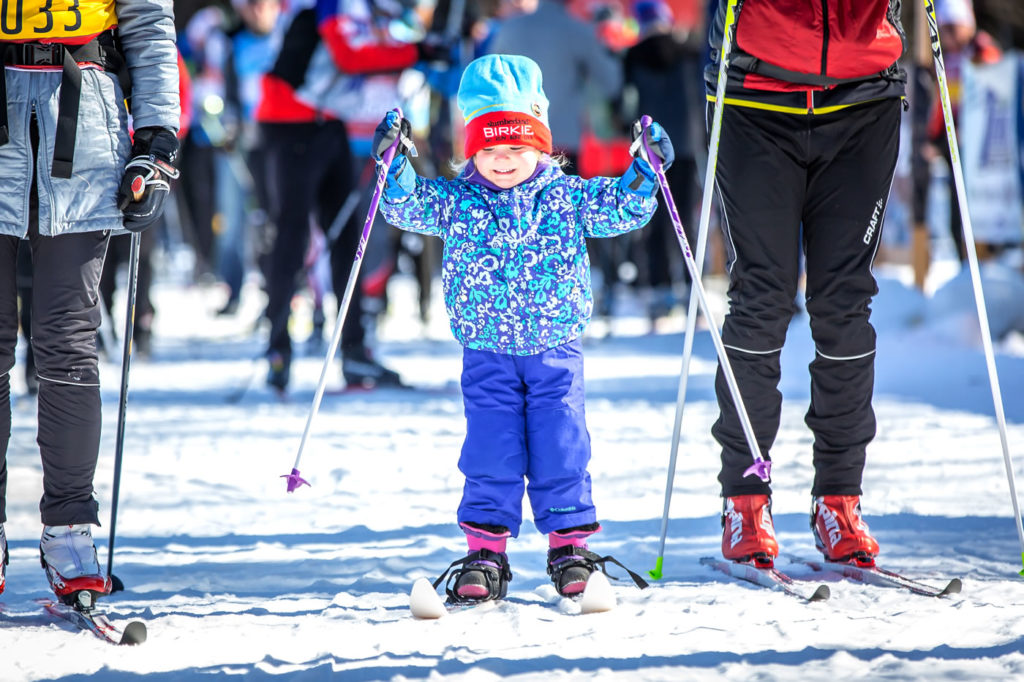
972 261
702 239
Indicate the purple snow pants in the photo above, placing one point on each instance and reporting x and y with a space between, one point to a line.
525 418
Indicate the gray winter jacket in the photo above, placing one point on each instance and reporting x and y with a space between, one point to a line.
87 201
570 56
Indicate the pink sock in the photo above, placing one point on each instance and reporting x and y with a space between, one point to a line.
576 538
478 538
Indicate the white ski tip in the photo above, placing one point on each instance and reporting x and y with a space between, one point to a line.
424 602
598 595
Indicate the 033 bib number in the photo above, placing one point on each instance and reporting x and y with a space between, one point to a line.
49 19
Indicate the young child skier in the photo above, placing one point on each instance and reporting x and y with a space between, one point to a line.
516 280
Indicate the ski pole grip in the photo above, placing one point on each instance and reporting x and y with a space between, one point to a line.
389 154
652 158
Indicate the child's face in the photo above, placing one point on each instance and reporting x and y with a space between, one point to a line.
506 165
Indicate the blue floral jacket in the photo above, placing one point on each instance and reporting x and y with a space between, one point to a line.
515 269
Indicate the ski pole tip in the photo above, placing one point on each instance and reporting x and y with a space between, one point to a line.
761 468
295 481
655 572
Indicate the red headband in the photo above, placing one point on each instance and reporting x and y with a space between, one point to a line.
506 127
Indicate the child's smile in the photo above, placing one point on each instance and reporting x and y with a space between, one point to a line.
506 165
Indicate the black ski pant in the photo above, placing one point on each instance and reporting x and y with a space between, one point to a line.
660 241
119 251
309 175
817 183
65 317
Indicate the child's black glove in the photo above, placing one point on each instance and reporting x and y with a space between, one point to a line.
657 140
401 177
146 184
393 126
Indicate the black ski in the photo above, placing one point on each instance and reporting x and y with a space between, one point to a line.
772 578
876 575
97 623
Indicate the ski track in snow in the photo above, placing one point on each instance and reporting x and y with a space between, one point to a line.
236 578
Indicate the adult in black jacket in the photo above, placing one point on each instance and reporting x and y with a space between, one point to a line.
664 75
810 132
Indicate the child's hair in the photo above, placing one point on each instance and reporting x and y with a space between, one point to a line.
550 159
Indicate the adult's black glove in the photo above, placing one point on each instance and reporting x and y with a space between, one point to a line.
657 140
393 126
147 176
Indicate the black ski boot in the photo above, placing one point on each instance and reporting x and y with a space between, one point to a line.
279 370
570 567
482 575
360 370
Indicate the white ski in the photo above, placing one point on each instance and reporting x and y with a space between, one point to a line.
426 604
424 601
598 595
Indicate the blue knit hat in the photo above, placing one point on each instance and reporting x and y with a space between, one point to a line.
502 100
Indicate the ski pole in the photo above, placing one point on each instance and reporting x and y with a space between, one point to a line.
295 479
702 240
972 260
122 408
348 208
760 467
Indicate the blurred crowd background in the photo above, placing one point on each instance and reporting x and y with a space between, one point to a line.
605 63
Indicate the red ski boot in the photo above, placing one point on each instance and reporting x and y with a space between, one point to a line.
840 532
748 534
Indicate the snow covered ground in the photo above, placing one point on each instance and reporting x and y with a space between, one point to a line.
235 578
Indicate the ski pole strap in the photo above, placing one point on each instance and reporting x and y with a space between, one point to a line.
67 117
601 561
457 562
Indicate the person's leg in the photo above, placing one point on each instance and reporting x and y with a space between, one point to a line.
848 189
922 84
761 182
557 439
289 149
198 186
108 278
65 317
336 184
231 238
359 367
24 282
144 310
8 341
493 459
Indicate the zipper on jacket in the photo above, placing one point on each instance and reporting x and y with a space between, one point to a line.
824 38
